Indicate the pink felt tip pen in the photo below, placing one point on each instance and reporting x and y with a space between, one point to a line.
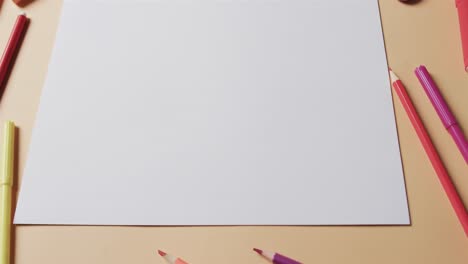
443 110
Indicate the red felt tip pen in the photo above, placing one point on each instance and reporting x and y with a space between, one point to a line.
462 6
12 46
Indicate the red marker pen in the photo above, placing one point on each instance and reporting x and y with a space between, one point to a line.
462 6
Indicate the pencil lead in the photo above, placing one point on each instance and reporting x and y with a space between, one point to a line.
259 251
162 253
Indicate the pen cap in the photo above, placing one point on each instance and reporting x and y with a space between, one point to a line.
435 96
462 6
7 153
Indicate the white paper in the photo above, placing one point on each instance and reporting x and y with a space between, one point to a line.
210 112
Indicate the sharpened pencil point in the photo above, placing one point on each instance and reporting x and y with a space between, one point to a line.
393 76
259 251
162 253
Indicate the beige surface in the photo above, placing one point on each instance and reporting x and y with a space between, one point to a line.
425 33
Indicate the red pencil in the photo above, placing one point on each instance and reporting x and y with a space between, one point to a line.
171 259
12 46
431 152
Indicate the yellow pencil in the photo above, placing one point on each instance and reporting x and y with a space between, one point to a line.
6 182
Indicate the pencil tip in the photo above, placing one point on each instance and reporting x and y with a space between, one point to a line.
259 251
162 253
393 76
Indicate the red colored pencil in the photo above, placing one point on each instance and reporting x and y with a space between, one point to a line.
12 46
431 152
171 259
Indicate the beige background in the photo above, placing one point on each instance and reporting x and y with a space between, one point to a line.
424 33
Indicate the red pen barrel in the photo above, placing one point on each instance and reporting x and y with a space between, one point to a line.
12 47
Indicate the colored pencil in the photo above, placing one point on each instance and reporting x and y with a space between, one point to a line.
171 259
443 110
275 258
12 46
431 152
6 184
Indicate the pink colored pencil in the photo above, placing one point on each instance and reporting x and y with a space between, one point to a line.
171 259
275 257
431 152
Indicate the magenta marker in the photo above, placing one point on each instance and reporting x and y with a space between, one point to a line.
448 119
275 257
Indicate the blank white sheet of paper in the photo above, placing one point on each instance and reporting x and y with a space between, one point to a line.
210 112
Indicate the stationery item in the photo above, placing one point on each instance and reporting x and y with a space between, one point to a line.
431 152
12 46
20 2
6 183
443 110
462 6
171 259
275 257
216 104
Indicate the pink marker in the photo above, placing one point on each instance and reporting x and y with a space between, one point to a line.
443 110
275 257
